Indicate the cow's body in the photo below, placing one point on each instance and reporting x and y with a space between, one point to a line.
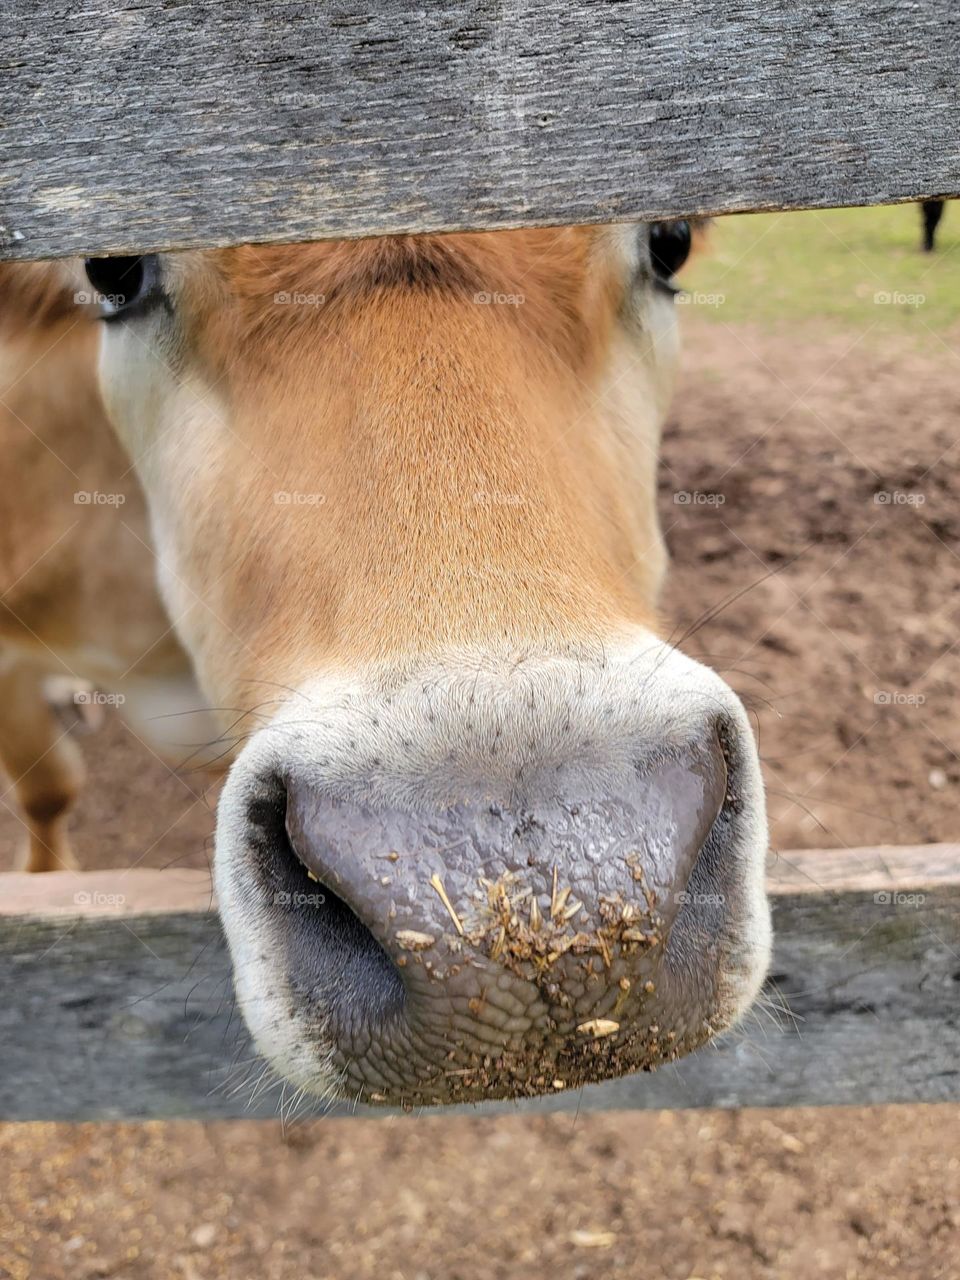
489 833
79 605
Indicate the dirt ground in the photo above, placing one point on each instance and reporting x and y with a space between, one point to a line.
664 1196
811 500
840 524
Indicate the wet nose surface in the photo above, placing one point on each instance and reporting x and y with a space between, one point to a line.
492 948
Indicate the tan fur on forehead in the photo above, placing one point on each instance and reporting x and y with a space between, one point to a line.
556 282
545 257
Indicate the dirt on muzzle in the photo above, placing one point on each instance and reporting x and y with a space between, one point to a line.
499 950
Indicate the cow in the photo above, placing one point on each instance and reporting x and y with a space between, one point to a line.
82 624
932 212
390 504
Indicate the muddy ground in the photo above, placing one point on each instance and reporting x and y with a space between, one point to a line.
811 499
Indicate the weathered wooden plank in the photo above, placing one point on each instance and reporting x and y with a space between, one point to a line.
122 892
121 1005
133 125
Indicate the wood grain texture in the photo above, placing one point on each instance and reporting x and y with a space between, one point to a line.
136 125
127 1011
137 891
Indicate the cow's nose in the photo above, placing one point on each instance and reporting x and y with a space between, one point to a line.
502 944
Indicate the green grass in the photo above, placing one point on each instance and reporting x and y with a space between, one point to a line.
775 269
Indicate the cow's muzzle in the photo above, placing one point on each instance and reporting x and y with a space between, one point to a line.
585 923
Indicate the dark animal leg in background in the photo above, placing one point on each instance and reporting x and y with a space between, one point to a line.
932 213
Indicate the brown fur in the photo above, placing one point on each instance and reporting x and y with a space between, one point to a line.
34 295
76 580
478 481
398 400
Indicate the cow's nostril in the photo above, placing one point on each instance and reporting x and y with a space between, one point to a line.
357 986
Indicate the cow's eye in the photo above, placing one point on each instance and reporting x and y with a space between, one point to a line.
669 247
121 285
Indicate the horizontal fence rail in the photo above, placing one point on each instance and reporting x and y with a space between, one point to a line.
117 998
132 127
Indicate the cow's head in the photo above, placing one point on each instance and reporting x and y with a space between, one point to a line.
488 834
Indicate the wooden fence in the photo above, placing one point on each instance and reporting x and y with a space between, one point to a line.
118 1002
135 125
139 125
